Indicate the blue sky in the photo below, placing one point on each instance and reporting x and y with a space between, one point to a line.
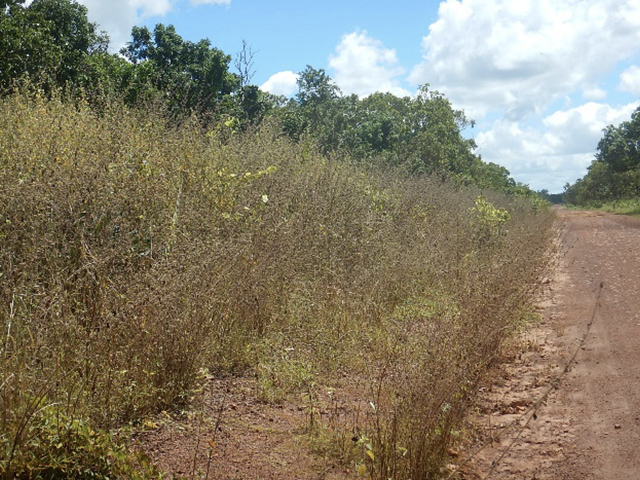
542 78
288 35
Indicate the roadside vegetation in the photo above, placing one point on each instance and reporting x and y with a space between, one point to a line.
137 256
146 246
629 206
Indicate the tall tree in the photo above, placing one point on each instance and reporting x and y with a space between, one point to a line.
315 87
620 146
195 76
48 41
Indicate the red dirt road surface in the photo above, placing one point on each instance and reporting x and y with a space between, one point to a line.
569 406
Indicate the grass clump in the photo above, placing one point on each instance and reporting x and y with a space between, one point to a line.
134 254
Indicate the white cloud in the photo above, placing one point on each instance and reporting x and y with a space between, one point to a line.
281 83
590 116
630 80
118 16
593 92
557 152
363 66
516 57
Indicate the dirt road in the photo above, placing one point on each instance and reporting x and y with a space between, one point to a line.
569 407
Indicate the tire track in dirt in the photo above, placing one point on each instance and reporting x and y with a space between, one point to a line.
589 425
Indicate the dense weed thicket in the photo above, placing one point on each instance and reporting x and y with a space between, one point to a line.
134 256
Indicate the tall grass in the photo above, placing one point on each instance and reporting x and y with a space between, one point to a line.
135 255
627 206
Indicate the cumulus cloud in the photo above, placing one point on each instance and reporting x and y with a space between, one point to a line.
517 57
281 83
630 80
118 16
557 152
362 65
579 129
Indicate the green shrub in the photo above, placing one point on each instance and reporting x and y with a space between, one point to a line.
50 444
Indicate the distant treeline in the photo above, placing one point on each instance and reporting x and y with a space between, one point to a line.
555 198
51 44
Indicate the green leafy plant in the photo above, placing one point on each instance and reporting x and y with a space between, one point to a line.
54 445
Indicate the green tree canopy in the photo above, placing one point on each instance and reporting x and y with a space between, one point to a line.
195 76
48 41
422 134
620 146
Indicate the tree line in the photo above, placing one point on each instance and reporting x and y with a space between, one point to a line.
614 174
52 44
